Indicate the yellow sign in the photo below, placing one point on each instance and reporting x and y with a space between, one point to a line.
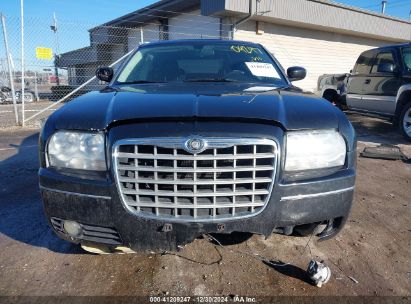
44 53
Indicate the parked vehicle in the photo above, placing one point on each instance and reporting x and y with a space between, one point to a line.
6 96
28 96
193 137
380 84
332 87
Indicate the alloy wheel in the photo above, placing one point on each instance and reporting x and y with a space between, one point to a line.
407 122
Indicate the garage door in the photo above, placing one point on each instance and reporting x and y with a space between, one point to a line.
193 26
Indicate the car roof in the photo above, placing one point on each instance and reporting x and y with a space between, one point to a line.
389 47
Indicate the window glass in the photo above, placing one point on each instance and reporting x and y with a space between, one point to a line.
201 61
386 57
363 64
406 55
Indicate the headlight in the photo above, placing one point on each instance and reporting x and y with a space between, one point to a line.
77 150
308 150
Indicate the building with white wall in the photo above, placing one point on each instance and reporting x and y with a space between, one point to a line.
323 36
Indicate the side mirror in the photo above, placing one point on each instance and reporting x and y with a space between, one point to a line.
386 68
105 74
296 73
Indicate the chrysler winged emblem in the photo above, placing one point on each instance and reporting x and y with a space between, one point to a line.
195 145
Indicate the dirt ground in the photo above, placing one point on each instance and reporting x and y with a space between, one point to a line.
370 257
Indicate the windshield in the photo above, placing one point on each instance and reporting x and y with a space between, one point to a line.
201 62
406 55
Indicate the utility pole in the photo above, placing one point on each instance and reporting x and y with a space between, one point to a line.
36 89
383 6
54 28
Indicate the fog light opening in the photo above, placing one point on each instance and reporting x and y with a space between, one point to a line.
72 228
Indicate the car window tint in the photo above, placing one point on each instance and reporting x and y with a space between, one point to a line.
406 55
386 57
363 64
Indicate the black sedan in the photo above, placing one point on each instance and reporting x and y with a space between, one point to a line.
194 137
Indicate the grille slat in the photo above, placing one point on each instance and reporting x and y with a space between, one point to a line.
196 193
195 157
254 177
198 170
231 178
162 205
176 181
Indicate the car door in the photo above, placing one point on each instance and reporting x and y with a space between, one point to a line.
381 86
355 83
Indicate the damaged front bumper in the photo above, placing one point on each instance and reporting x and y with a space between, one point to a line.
93 200
96 205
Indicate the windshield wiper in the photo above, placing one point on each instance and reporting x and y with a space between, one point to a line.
140 81
209 80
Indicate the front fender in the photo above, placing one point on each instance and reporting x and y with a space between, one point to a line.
404 88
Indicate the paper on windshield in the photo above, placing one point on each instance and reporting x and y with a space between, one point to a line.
259 89
261 69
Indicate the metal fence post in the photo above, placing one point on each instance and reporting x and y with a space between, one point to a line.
6 46
22 60
141 35
36 89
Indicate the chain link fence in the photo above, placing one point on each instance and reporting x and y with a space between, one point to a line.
61 57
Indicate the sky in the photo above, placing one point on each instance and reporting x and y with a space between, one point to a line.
99 11
75 17
91 11
395 8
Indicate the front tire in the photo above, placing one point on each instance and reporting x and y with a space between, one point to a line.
405 121
28 97
331 95
337 100
306 229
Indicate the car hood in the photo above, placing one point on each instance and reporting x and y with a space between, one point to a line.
287 107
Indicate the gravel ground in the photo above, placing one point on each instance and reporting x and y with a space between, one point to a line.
370 257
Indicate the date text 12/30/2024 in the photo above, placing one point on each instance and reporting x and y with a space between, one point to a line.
202 299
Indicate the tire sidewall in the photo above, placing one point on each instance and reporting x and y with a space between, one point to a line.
31 99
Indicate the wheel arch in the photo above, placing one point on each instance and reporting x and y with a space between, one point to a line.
330 90
334 93
329 87
403 97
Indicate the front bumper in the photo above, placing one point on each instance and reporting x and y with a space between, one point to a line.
94 200
98 204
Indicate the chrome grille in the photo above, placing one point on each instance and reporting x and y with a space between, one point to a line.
231 178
